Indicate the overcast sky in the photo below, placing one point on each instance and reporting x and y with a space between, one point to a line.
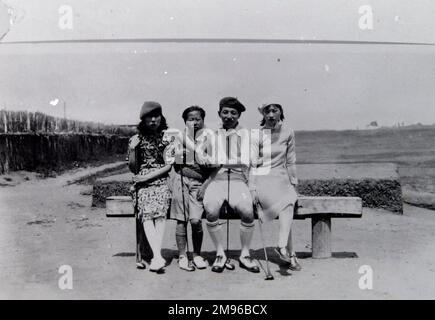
321 86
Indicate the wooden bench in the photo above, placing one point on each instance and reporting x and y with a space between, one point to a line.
320 209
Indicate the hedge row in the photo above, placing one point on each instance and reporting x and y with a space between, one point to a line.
26 122
385 194
50 151
375 193
103 190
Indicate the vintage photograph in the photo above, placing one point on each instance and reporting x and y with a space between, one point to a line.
217 150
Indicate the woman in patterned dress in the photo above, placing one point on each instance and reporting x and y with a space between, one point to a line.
275 192
153 194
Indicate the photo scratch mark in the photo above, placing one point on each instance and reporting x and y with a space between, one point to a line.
9 16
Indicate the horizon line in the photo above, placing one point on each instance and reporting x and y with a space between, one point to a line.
357 128
217 40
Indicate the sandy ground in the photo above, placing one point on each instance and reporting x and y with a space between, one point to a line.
45 224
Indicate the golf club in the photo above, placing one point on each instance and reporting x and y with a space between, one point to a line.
228 264
257 208
269 275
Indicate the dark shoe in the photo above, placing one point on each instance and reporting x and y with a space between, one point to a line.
219 264
294 263
140 265
283 256
248 264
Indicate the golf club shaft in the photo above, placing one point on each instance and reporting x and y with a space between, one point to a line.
228 263
268 273
228 200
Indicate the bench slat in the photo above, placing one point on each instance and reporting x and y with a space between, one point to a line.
334 207
307 207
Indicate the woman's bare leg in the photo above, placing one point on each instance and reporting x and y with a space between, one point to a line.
294 263
285 223
290 243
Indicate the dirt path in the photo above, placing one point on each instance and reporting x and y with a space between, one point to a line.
45 224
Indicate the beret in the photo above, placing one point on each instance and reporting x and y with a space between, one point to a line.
148 107
231 102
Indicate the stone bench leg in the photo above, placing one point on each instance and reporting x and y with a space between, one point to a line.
321 237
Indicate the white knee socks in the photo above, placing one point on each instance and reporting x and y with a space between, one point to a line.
246 232
154 235
214 229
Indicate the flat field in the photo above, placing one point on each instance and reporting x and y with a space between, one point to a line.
412 149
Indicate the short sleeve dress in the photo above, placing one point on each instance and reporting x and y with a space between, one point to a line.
153 198
275 186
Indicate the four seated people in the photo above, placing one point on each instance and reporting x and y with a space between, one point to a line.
198 171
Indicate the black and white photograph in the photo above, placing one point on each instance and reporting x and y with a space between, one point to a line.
236 150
